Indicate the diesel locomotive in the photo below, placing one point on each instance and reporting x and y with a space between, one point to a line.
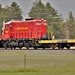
23 33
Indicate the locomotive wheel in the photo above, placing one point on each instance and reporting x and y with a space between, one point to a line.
11 47
35 47
5 45
20 47
43 47
27 47
14 47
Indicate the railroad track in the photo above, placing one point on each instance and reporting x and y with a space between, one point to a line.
49 51
38 49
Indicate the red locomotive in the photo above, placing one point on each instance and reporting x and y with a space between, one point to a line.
22 33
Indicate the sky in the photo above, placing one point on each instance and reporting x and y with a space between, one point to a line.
62 6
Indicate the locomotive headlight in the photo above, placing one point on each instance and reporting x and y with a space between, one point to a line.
6 31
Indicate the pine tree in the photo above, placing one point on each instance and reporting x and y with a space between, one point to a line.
37 10
10 12
54 20
16 12
70 26
47 12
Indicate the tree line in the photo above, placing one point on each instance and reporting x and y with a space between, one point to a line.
39 10
9 13
56 24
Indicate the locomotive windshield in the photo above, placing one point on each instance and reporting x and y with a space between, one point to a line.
6 27
10 25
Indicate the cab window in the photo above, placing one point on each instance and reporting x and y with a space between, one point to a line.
6 27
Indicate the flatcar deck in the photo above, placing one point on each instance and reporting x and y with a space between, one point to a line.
57 41
71 41
48 41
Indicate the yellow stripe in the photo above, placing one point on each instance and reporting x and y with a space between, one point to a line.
71 41
48 41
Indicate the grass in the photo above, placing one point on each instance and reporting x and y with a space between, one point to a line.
37 63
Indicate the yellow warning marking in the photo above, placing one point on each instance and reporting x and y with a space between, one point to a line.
48 41
71 41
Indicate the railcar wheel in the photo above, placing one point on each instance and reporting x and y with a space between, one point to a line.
59 46
43 46
54 46
68 47
11 47
27 45
62 47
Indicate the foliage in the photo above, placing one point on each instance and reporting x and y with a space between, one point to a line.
37 10
47 12
56 24
10 12
13 12
70 26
